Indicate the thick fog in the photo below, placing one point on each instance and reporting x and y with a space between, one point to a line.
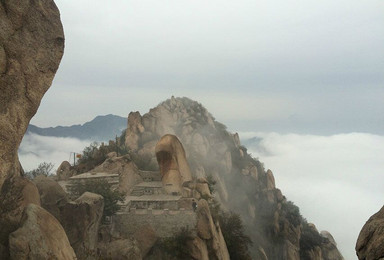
337 181
35 149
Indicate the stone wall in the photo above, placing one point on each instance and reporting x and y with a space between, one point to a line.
164 222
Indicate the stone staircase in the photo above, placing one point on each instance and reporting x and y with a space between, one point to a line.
137 191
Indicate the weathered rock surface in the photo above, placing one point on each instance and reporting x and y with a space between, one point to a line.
81 220
329 248
40 237
31 47
146 238
16 194
369 245
208 231
64 172
173 164
125 168
52 195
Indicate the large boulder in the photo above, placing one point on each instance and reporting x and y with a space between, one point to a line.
40 237
52 195
369 245
16 194
64 172
81 220
31 47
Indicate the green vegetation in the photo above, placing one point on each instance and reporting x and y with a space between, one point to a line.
234 235
232 228
310 238
95 154
103 188
292 213
177 245
43 168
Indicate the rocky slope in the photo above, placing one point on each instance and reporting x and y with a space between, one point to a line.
243 185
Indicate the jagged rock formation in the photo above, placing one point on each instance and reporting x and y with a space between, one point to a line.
274 224
31 47
80 218
369 245
173 165
40 236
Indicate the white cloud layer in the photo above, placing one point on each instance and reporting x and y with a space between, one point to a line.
35 149
337 181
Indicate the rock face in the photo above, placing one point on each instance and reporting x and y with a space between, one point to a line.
370 242
209 232
16 194
174 167
242 183
39 237
124 167
31 47
52 195
81 220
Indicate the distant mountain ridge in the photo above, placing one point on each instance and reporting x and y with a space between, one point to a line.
101 128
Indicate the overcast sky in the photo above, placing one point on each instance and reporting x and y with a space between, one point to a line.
311 68
287 66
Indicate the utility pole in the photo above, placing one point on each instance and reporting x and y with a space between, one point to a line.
117 148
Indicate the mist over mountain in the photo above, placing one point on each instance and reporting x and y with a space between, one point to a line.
101 128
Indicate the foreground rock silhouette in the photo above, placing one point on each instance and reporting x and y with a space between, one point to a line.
31 47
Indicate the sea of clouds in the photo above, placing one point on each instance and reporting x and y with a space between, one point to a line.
35 149
337 181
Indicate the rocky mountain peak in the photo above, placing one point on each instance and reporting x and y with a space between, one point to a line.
242 183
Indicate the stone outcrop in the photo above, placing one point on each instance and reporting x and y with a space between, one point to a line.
40 236
65 171
31 47
369 245
16 194
329 248
209 232
173 164
81 220
124 167
52 195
